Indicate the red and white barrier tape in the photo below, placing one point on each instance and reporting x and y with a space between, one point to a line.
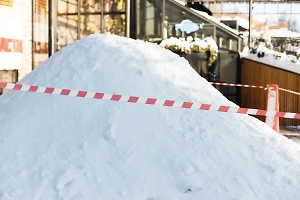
237 85
297 93
150 101
251 86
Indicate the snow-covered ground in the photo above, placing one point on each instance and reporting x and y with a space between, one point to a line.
67 148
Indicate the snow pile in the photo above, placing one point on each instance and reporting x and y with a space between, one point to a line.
61 147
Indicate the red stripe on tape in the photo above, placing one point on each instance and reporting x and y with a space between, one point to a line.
150 101
280 114
98 95
133 99
297 116
205 106
242 110
115 97
3 85
223 108
49 90
81 93
65 92
169 103
261 112
33 88
187 105
18 86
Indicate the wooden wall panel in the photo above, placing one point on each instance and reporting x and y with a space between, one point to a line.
255 73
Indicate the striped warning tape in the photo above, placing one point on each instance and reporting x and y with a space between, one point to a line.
150 101
251 86
297 93
238 85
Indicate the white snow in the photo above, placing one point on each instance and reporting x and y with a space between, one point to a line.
68 148
283 62
283 32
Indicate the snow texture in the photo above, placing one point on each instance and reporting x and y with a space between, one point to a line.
68 148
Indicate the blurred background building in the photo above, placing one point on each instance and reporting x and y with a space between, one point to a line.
15 39
32 30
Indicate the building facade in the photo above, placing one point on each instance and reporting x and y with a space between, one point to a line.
35 29
15 39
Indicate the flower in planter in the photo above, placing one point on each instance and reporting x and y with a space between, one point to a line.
212 48
176 45
199 45
187 46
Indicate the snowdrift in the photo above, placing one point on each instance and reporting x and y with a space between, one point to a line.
61 147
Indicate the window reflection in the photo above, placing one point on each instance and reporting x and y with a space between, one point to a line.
115 24
90 24
40 32
96 5
114 5
94 16
66 30
148 21
112 16
67 6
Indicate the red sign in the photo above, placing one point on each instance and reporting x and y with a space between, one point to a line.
10 45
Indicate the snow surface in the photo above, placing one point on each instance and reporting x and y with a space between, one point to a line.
284 62
67 148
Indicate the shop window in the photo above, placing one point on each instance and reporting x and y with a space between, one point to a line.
40 6
40 28
7 2
114 6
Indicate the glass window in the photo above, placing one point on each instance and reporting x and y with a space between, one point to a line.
114 5
233 45
115 24
67 6
40 32
149 20
206 31
235 7
271 8
95 16
66 30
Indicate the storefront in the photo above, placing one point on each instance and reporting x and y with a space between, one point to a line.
151 20
33 30
71 20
